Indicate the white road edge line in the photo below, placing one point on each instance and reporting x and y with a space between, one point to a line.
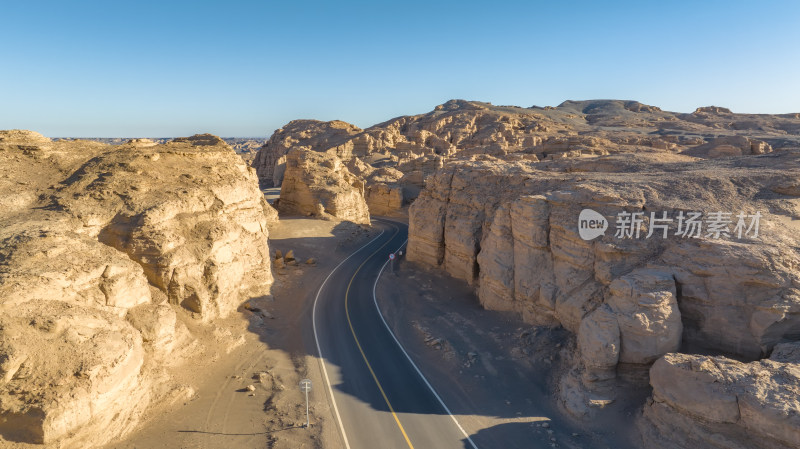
424 379
316 339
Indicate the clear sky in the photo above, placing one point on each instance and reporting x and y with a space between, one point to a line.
244 68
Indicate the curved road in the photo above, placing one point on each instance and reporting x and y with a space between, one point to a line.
378 396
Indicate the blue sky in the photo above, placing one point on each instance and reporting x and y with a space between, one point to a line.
245 68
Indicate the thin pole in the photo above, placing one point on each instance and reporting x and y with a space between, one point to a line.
308 423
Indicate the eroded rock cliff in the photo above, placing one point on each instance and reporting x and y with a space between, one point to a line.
635 293
101 246
322 136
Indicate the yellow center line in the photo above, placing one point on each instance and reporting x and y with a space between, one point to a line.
352 330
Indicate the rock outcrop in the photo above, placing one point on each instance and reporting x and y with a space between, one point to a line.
497 192
384 199
631 294
322 136
717 402
728 147
712 110
69 374
101 246
318 184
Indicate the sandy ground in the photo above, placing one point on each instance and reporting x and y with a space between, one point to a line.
264 346
497 374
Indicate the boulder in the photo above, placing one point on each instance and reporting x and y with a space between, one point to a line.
599 343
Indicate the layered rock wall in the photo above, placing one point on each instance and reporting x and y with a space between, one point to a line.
511 230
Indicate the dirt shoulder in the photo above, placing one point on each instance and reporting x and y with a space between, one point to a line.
497 374
240 386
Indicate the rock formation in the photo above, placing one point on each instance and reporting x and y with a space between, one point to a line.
729 146
418 145
101 246
383 194
510 228
300 133
246 147
318 184
717 402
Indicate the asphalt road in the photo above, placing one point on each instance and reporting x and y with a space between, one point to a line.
378 396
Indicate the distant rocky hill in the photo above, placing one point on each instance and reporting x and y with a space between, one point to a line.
415 146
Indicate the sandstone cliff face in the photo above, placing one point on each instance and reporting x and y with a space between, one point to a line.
200 235
98 236
318 184
417 145
511 230
384 199
71 374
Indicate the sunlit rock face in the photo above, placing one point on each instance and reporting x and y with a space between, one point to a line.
319 185
101 245
511 229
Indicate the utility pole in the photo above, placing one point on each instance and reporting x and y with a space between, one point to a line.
305 386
